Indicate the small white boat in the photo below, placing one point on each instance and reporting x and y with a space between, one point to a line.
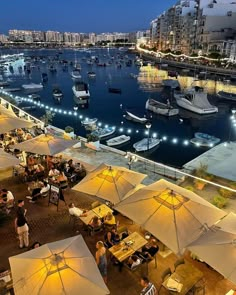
91 74
135 118
161 108
104 132
57 94
201 142
89 121
227 95
212 140
75 74
80 90
146 144
118 140
32 87
195 100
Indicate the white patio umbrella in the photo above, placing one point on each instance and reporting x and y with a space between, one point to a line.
110 183
45 144
174 215
217 247
7 160
62 267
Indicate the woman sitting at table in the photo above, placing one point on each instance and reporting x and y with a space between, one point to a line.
133 261
95 222
109 219
53 172
110 237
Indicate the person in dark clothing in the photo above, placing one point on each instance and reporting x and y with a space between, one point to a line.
149 250
21 226
110 237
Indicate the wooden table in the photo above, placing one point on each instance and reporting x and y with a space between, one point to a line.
102 210
122 251
185 274
87 219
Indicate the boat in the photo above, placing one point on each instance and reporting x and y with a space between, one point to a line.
114 90
104 132
135 118
161 108
146 144
32 87
227 95
57 94
118 140
171 83
195 100
202 142
91 74
89 121
206 138
75 74
80 90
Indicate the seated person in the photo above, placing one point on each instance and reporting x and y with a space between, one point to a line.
38 192
71 167
110 237
109 219
38 168
61 178
133 261
75 211
7 195
95 222
149 250
116 239
53 172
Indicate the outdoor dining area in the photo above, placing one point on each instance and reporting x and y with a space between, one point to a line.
160 232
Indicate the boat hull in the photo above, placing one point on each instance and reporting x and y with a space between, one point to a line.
161 108
146 144
118 140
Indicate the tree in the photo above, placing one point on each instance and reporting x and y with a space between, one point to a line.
47 118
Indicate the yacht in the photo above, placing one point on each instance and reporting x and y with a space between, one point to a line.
80 90
91 74
75 74
32 87
161 108
57 94
146 144
195 100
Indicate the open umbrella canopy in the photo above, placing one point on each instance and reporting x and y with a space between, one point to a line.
217 247
62 267
7 160
45 144
174 215
9 121
110 183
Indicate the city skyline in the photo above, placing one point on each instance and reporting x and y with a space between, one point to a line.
99 16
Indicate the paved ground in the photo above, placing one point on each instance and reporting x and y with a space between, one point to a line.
47 225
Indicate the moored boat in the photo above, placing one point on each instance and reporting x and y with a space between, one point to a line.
57 94
89 121
161 108
195 100
210 138
91 74
118 140
104 132
75 74
135 118
202 142
80 90
146 144
32 87
227 95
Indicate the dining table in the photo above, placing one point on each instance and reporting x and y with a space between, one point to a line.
185 277
102 210
128 246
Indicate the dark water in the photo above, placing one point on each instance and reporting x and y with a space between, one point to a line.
109 107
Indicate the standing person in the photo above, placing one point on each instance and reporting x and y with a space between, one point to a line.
21 226
101 259
148 287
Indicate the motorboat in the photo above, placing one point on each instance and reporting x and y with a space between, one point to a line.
114 90
204 139
195 100
104 132
87 121
227 95
75 74
118 140
173 84
91 74
135 118
32 87
146 144
57 94
161 108
80 90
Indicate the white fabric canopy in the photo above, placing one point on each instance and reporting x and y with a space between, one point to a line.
110 183
7 160
62 267
174 215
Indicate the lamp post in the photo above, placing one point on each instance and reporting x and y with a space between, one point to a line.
148 126
76 118
131 159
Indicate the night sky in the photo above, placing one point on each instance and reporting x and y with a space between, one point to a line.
80 15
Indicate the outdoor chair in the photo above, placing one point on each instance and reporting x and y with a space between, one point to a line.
64 184
166 273
138 269
92 230
45 194
122 231
179 262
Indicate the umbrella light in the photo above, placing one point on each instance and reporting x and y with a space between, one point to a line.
62 267
111 183
174 215
45 144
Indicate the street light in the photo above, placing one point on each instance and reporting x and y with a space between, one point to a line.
131 159
148 126
76 119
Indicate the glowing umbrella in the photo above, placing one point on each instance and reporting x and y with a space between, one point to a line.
111 183
62 267
174 215
45 144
